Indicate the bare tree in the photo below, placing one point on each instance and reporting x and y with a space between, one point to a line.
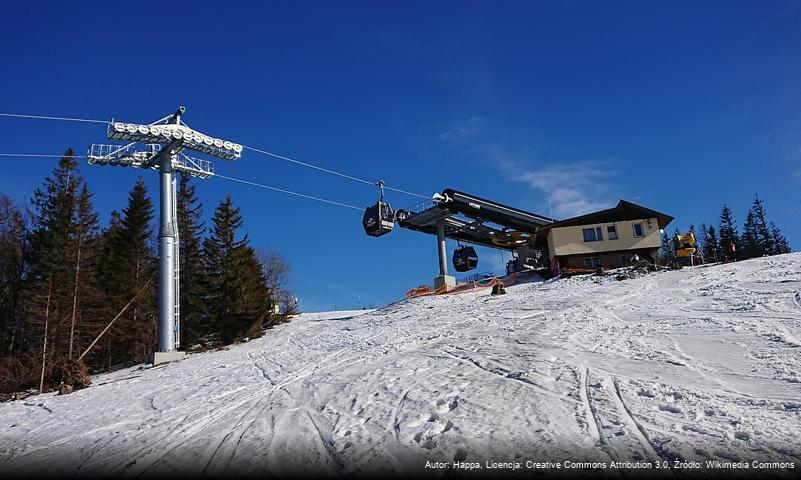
278 275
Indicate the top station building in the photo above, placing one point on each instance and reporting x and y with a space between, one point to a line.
608 238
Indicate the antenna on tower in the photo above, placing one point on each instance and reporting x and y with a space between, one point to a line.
160 146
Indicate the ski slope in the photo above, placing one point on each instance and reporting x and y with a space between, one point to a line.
701 364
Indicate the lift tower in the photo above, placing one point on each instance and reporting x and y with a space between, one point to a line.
159 146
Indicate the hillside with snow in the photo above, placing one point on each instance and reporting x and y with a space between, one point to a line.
697 365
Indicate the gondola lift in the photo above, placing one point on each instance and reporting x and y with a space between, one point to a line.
379 218
465 258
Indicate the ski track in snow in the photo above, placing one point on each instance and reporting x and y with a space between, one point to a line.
702 363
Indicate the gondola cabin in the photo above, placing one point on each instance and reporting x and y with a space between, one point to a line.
464 259
512 266
378 219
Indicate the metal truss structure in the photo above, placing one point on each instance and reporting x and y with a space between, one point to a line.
468 218
472 219
133 155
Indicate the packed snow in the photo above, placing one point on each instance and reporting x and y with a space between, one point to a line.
697 365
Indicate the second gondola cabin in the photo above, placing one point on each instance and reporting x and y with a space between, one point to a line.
464 259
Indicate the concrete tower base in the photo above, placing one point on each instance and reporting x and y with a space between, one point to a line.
449 281
166 357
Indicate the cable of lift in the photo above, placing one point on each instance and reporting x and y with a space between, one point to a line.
332 172
39 155
254 149
226 177
47 117
288 192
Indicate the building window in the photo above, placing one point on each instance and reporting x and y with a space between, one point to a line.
611 232
638 231
593 234
592 262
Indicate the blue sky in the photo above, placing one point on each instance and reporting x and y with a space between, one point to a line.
675 105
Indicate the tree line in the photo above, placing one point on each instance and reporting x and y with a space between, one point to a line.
63 279
758 238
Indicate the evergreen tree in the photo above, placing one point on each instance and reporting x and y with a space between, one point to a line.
190 233
666 253
63 224
130 264
238 299
711 246
107 301
728 233
762 234
62 281
749 240
780 243
105 271
84 236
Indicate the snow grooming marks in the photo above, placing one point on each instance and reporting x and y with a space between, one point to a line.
377 449
622 437
500 372
394 423
638 429
590 414
734 323
326 444
187 434
231 433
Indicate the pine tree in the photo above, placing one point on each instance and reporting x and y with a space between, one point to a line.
190 233
666 253
780 243
137 235
749 240
106 302
728 233
84 236
53 211
711 247
762 234
238 300
131 262
105 273
62 225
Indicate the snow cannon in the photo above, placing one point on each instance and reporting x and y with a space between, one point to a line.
684 245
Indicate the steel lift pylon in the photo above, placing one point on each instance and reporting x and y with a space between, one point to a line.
159 146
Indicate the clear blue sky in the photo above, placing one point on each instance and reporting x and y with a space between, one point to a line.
679 106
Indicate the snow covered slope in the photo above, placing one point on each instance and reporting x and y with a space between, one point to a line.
698 364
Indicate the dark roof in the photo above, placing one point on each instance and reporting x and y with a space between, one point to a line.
623 211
